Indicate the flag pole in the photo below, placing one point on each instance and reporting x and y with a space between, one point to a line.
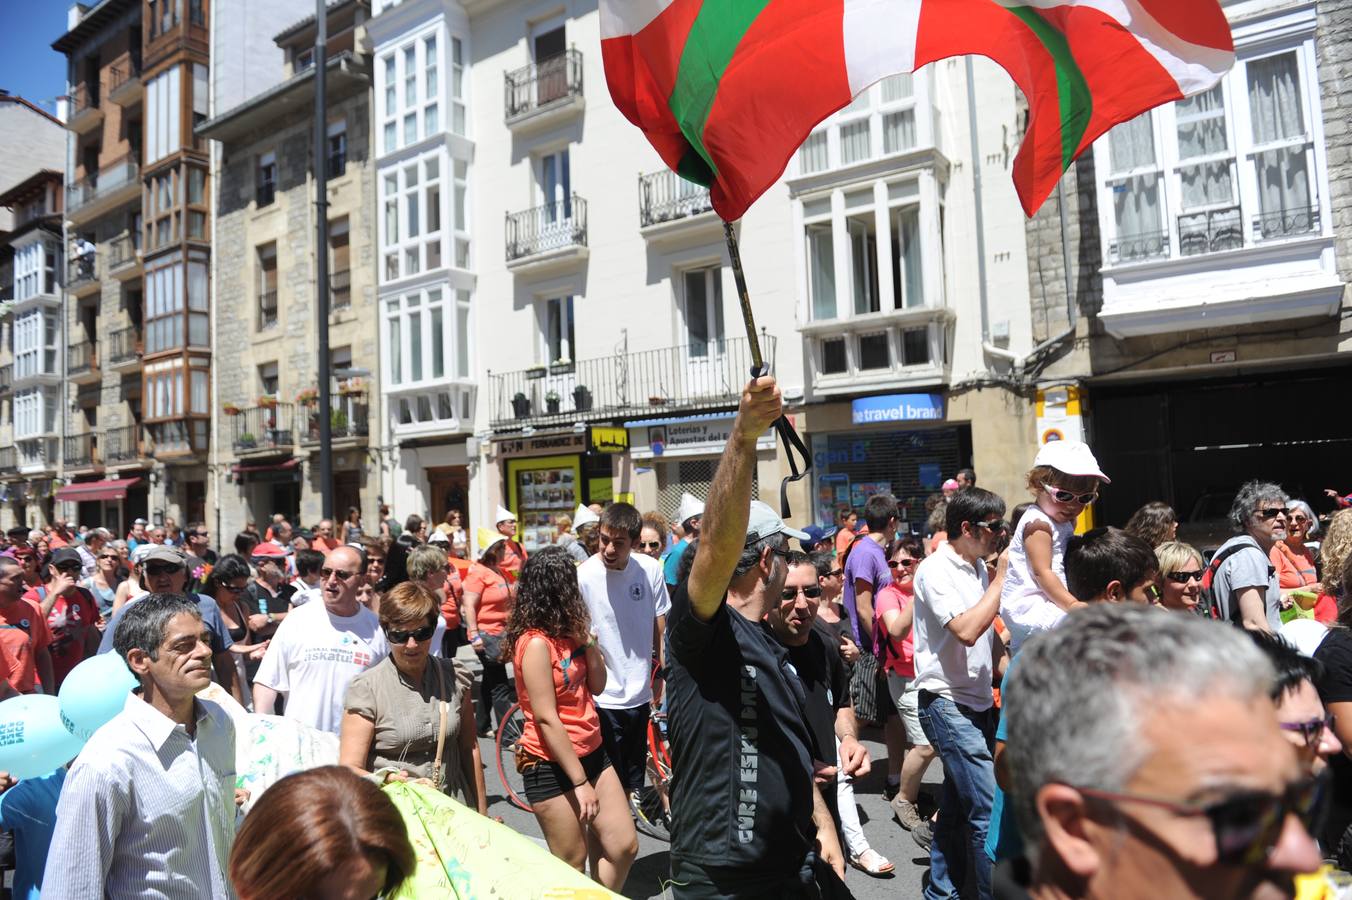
792 442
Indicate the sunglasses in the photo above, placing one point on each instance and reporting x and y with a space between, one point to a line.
153 569
326 572
903 563
996 526
1310 731
1270 513
835 573
650 545
422 634
235 590
812 593
69 568
1184 577
1064 496
109 556
1246 825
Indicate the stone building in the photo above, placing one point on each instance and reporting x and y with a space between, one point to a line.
266 440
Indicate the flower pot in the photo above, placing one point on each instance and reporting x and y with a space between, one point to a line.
521 406
582 398
552 405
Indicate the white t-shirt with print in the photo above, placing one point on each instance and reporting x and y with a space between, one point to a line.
623 606
315 655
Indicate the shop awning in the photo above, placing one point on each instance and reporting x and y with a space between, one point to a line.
671 420
282 466
114 489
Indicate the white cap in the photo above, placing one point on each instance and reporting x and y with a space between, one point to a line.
1305 635
438 537
691 507
1070 457
584 516
504 515
764 522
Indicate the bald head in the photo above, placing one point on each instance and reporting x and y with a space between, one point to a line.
340 580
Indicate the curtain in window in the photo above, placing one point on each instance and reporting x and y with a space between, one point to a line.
821 271
1136 206
812 156
1201 132
854 141
864 265
1131 145
1276 113
899 131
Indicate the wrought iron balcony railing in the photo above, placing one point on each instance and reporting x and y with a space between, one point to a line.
1129 248
124 445
124 249
80 450
348 418
81 357
1210 231
553 226
542 84
262 428
665 196
124 346
114 177
1285 223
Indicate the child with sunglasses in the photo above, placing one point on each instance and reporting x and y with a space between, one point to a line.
1064 480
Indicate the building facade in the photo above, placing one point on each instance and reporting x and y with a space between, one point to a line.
266 440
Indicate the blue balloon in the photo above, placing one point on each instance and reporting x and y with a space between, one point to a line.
33 739
94 692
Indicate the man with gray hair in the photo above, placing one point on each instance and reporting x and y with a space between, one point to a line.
89 550
148 808
1146 760
1245 589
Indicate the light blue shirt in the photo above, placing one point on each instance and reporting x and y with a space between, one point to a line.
29 810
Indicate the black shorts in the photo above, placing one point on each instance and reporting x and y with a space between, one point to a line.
547 780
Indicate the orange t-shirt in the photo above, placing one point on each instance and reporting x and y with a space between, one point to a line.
495 597
23 632
1295 568
572 698
513 557
450 607
843 538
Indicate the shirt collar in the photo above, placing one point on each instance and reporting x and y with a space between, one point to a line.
154 724
955 559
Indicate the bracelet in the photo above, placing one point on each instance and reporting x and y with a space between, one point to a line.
583 781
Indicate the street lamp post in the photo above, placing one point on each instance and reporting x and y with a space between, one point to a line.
322 262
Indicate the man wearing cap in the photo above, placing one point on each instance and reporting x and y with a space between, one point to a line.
71 612
513 554
268 598
690 515
583 518
818 538
164 570
746 816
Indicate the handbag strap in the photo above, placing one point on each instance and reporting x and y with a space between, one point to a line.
443 706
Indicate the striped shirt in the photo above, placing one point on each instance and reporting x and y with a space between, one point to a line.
147 811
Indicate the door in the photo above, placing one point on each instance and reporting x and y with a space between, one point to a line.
448 488
703 347
346 493
554 190
551 71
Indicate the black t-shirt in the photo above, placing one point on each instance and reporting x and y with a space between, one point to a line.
826 685
740 751
255 596
1335 652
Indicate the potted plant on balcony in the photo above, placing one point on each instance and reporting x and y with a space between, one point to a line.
308 397
338 422
552 402
561 366
582 398
268 401
247 441
656 400
350 386
231 409
536 372
521 406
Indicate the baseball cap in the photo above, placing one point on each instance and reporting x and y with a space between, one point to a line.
1070 457
139 522
163 553
268 550
765 522
951 485
815 535
65 556
438 537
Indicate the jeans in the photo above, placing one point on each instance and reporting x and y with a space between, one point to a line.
964 740
495 690
624 734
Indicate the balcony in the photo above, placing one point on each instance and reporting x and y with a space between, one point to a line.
178 438
85 114
125 446
82 362
348 421
669 206
262 430
110 187
548 237
9 461
124 350
668 381
340 290
6 379
124 81
80 451
36 455
1210 232
124 256
1136 247
544 93
82 275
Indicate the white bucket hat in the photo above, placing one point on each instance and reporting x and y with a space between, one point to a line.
691 507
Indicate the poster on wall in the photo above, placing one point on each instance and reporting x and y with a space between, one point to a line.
833 492
860 492
542 496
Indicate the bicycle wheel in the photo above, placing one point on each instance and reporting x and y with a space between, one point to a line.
653 815
509 732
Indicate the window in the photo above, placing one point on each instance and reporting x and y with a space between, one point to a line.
460 219
703 312
1283 159
391 104
267 378
162 209
1136 178
200 95
340 274
164 389
431 86
457 86
854 142
164 306
410 76
873 352
881 120
267 285
34 270
303 59
834 361
413 210
35 343
432 210
821 263
556 327
162 97
864 263
337 149
267 179
34 413
427 337
554 186
915 348
908 286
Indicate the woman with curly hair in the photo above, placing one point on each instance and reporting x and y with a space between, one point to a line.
576 795
1335 555
1155 523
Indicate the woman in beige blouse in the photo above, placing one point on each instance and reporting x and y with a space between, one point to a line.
394 711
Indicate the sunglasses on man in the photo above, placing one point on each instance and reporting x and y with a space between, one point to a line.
811 593
1270 513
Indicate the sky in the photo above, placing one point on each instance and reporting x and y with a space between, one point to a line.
29 66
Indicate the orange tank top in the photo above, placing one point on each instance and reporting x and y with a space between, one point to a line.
572 698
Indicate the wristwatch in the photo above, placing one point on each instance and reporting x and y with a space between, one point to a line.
271 618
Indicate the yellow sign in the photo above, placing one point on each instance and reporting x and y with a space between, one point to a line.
606 439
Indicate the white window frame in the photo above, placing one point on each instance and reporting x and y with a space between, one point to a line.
413 311
403 113
34 413
397 191
870 109
567 306
33 276
36 336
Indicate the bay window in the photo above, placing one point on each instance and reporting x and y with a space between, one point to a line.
412 234
426 336
881 121
163 134
36 334
176 307
34 413
34 269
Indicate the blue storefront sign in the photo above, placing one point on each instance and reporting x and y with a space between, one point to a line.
898 408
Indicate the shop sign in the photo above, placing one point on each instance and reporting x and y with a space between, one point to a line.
699 437
544 444
605 439
1059 414
897 408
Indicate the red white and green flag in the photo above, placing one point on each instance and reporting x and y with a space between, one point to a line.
726 90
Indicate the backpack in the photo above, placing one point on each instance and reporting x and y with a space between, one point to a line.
1209 603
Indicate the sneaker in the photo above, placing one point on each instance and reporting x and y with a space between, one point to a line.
906 813
636 807
923 836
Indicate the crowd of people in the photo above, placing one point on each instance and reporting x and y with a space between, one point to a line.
1114 711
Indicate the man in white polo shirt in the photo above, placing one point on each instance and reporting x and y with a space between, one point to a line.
627 599
956 653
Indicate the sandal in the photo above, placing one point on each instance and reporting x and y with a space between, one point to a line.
871 862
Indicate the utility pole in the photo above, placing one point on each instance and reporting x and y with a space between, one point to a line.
321 162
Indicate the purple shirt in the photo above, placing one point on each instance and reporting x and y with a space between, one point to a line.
867 561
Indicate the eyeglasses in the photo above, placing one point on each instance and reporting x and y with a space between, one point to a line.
1298 518
1270 513
422 634
903 563
835 573
326 572
1064 496
650 545
995 526
154 570
1184 577
1246 825
1310 731
234 589
811 593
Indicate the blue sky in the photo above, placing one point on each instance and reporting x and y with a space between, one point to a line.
29 66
